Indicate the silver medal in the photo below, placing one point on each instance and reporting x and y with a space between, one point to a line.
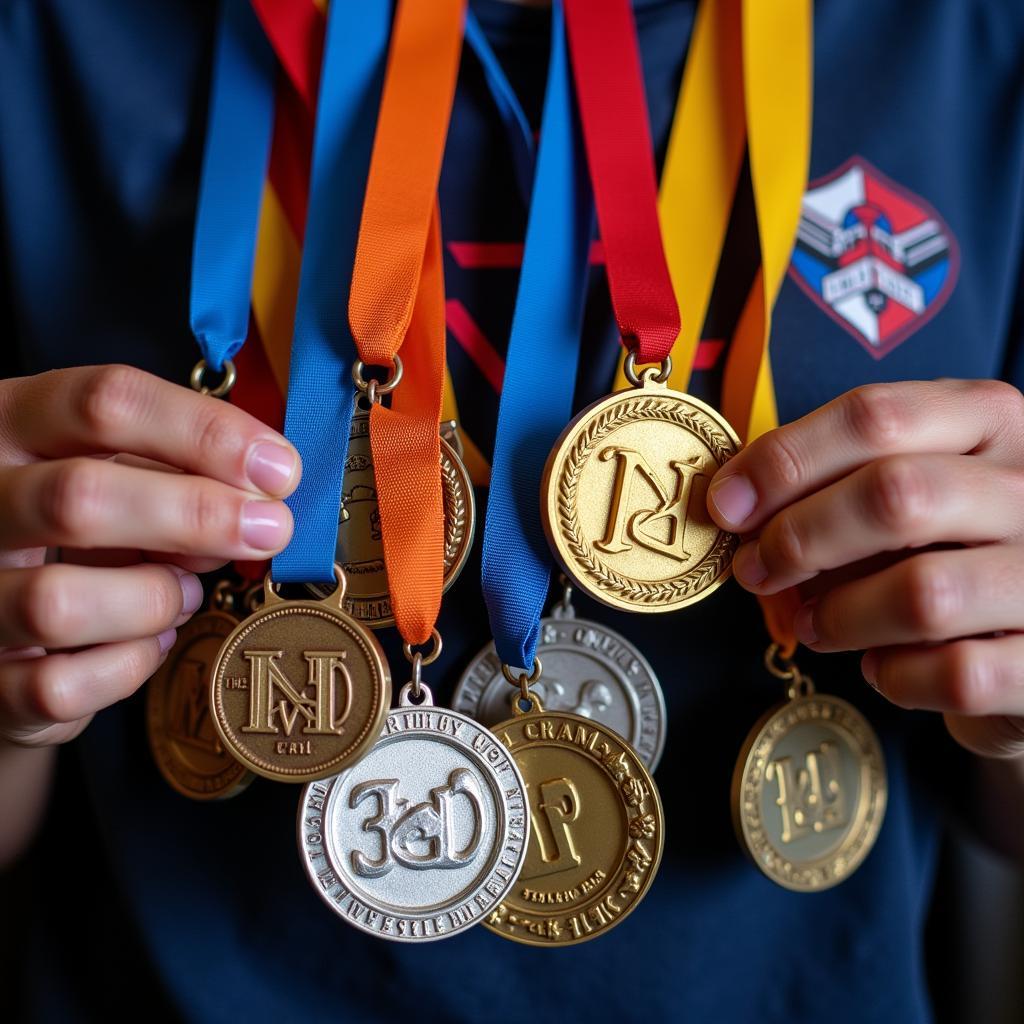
589 670
424 836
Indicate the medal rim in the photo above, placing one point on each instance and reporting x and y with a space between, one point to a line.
659 693
549 500
498 790
655 859
873 826
375 657
460 483
158 742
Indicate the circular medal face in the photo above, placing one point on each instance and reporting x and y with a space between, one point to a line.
589 670
360 549
809 792
186 748
299 690
596 830
623 499
423 838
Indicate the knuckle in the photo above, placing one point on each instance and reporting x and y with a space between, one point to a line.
1001 398
785 463
876 416
160 600
899 499
783 545
933 599
111 398
73 502
210 514
216 438
49 691
971 679
47 607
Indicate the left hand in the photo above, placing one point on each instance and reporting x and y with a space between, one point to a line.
933 471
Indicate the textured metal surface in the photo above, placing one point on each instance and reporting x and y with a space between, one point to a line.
623 499
425 835
809 792
299 689
182 738
596 835
589 670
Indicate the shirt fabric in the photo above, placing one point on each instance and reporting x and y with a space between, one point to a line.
202 912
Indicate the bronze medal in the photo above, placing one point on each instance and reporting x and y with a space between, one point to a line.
300 689
596 829
360 550
809 790
623 498
184 742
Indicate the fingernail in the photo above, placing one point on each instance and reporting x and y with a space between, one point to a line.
271 467
733 498
191 593
747 565
166 640
266 525
869 668
803 625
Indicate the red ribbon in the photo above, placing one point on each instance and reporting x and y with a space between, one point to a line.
613 109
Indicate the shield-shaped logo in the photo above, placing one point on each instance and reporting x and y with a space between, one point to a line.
877 258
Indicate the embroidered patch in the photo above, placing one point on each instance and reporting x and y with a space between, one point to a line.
877 258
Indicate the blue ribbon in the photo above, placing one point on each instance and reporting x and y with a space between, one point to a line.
540 368
238 131
320 389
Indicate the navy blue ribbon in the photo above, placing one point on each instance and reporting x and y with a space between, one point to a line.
540 368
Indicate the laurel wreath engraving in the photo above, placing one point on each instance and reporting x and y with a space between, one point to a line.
637 591
454 511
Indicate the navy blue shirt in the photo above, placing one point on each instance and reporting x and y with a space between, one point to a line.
907 266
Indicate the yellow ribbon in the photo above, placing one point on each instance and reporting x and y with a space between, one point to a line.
746 85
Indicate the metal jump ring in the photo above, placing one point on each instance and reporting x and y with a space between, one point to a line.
378 387
220 390
648 372
425 659
516 679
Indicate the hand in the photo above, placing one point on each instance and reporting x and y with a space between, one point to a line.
933 472
140 483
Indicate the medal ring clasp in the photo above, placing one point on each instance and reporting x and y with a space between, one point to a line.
657 375
524 681
375 389
198 383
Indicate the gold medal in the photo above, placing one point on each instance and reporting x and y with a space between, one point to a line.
809 789
300 689
596 829
623 498
185 746
360 550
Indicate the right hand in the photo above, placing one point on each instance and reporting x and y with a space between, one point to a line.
140 484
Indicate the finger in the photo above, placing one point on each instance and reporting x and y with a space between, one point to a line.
894 503
38 693
63 606
111 557
116 409
975 678
989 736
932 597
91 503
955 417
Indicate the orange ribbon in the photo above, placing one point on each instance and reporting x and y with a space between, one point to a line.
397 301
